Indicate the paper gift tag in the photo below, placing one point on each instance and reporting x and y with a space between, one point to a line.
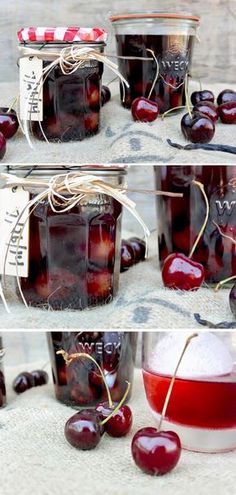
31 90
12 202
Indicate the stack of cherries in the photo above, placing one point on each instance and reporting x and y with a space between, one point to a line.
25 380
8 127
198 125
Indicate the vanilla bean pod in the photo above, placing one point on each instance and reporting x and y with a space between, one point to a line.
208 147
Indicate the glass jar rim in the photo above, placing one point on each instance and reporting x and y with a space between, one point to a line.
50 170
154 15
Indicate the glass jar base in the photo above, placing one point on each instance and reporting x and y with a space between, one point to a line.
205 440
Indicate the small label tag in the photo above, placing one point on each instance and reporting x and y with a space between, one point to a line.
12 202
31 101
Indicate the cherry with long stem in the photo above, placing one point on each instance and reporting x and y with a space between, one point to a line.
201 187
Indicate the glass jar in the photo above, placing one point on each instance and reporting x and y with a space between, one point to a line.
80 384
179 220
74 255
2 378
171 38
202 405
72 101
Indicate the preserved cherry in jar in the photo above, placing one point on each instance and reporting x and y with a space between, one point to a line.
180 219
71 99
74 255
2 378
170 37
80 383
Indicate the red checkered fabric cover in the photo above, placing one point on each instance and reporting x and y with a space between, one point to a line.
62 34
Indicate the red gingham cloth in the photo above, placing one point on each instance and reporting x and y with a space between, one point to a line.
62 34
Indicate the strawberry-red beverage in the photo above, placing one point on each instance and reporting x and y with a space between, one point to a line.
202 410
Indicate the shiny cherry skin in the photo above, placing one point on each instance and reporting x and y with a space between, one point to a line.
232 300
225 96
204 95
156 452
105 95
144 110
227 112
120 423
127 256
24 381
139 247
83 429
208 109
3 145
8 122
181 272
197 128
40 377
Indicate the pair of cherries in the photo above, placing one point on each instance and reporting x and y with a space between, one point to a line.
25 380
85 429
8 127
133 251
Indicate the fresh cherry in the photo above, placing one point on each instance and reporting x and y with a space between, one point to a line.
8 122
232 300
197 128
24 381
204 95
181 272
156 452
144 110
227 112
83 430
40 377
3 145
120 423
127 256
105 95
139 247
208 109
225 96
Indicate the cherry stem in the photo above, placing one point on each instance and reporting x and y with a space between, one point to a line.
200 84
187 96
104 421
71 357
168 395
11 105
172 110
224 235
157 72
219 285
201 187
113 80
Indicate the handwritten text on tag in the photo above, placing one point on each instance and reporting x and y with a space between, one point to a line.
13 238
31 103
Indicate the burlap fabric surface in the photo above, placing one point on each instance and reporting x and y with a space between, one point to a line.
121 140
35 457
142 302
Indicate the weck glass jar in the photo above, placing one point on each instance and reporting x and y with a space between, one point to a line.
72 100
2 378
202 405
179 220
171 37
74 255
80 384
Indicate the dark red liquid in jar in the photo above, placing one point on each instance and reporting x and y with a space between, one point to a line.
209 403
174 56
180 219
2 380
74 257
80 383
71 104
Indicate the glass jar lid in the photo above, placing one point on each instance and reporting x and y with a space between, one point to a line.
62 35
153 15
